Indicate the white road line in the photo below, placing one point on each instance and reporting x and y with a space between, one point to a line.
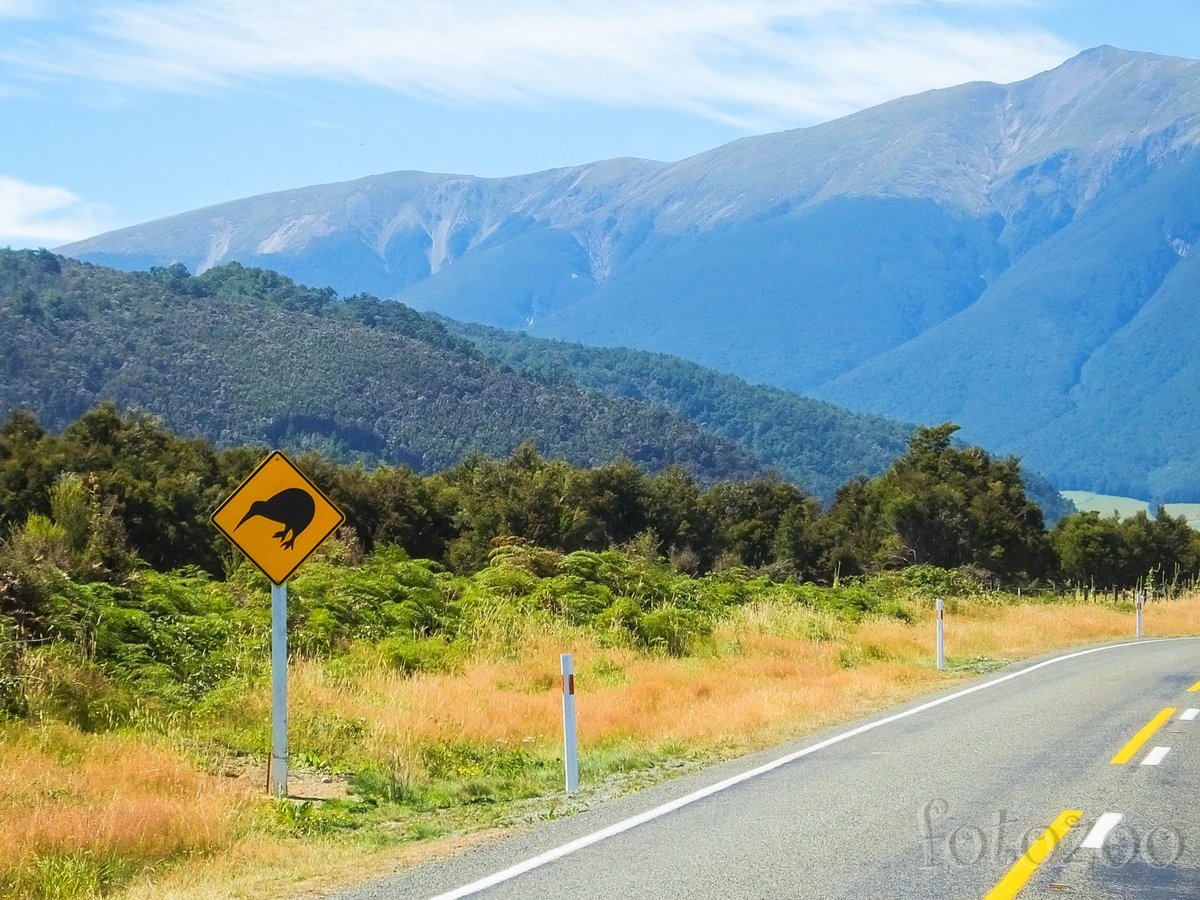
1155 756
649 815
1189 714
1104 824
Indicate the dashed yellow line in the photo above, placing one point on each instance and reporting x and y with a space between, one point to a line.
1194 688
1135 743
1018 876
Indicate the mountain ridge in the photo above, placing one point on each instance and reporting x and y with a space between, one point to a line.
851 260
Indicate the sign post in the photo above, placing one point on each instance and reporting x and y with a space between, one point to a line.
277 518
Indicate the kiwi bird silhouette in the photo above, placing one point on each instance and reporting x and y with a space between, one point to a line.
292 508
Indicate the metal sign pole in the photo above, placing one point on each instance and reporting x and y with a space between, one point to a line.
279 749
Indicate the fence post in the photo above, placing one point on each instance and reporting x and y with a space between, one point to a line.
570 744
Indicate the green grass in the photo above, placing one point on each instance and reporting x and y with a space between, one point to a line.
1126 507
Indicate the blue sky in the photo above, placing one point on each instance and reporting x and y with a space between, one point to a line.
114 112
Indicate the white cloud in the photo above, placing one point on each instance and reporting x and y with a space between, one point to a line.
35 215
753 62
21 9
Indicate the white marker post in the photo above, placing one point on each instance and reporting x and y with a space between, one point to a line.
941 635
1141 601
279 748
570 745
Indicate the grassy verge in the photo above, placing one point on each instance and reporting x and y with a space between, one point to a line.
81 814
405 764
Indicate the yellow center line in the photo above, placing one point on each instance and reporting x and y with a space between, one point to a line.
1195 687
1135 743
1018 876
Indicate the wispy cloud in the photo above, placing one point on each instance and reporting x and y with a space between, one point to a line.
36 215
743 61
21 9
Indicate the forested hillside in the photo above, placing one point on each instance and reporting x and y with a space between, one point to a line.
241 355
815 444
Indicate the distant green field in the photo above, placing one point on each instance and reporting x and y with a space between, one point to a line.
1106 504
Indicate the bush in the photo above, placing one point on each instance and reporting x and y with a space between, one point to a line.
933 581
13 702
409 656
672 630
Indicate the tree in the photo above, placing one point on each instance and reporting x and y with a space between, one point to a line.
854 535
675 512
747 516
30 459
161 486
952 507
1088 549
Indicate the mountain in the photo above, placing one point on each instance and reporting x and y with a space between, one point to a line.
1015 258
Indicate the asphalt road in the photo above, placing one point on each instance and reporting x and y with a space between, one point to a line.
938 799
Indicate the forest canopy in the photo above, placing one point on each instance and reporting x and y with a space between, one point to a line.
115 490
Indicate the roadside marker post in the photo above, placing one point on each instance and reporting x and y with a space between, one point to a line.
277 494
941 634
570 744
1141 601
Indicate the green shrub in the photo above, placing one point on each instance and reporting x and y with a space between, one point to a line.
64 687
13 702
318 633
933 581
672 630
622 614
326 741
409 656
573 598
392 780
466 760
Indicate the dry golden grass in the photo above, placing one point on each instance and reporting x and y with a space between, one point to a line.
649 699
765 679
1019 631
101 803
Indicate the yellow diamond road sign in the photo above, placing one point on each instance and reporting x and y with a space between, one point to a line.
277 517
